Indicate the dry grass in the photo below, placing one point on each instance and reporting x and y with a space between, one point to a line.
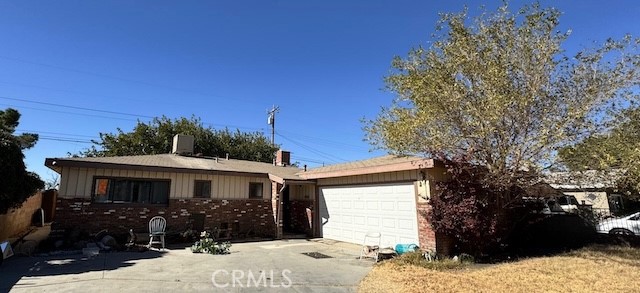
593 269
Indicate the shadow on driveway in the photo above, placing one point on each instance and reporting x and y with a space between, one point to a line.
20 271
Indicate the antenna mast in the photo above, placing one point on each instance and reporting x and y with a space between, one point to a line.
272 121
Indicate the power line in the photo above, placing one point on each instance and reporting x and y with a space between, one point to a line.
64 139
74 107
303 159
58 133
110 112
328 142
317 152
65 112
80 93
117 78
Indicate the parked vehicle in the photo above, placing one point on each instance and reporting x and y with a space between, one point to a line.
628 225
568 203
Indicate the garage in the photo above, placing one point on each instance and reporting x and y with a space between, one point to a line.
348 212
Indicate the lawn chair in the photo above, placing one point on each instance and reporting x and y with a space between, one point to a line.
156 230
371 245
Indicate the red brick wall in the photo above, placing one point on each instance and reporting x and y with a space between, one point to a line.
18 220
299 221
81 214
426 234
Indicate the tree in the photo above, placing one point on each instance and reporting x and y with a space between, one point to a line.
618 149
500 91
156 137
17 183
496 96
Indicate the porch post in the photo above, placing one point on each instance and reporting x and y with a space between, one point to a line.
276 205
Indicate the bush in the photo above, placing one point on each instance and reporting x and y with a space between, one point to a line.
206 244
417 259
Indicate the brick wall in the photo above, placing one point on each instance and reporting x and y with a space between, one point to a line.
427 236
299 221
81 214
19 220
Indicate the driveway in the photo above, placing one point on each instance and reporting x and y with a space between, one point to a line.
270 266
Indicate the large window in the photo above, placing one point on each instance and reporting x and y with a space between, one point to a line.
255 190
122 190
202 189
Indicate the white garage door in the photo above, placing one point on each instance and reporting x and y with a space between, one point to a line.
348 212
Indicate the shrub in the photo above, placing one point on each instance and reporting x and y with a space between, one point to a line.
417 259
206 244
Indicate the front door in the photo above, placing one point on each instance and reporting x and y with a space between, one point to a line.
286 210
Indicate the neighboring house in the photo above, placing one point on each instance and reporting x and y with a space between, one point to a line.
592 188
387 194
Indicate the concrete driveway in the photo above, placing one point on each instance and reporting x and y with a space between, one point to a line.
270 266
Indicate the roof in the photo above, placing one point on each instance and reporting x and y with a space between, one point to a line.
177 163
388 163
590 179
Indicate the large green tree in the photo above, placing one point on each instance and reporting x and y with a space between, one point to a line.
617 151
16 183
156 137
500 91
495 97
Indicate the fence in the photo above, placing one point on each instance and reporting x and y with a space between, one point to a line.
607 222
18 220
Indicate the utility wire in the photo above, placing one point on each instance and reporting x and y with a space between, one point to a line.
58 133
64 112
75 107
64 139
303 159
333 158
110 112
82 93
324 141
117 78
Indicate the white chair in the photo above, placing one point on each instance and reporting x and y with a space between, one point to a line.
157 225
371 245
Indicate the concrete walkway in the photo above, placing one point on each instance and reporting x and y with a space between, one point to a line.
270 266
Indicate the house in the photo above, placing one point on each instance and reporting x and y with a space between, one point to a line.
342 202
592 188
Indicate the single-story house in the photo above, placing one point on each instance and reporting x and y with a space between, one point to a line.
592 188
342 202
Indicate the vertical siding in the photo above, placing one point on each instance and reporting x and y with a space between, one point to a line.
72 183
302 191
64 181
78 182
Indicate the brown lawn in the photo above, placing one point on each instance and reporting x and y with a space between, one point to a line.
592 269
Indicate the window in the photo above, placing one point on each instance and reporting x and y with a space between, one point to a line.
255 190
202 189
121 190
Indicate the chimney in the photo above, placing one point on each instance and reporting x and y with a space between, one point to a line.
283 158
182 144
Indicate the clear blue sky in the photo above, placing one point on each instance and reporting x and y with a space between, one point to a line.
322 62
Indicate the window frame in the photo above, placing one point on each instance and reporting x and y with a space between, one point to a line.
110 185
261 184
195 189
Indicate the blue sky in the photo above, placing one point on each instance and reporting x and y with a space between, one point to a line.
321 62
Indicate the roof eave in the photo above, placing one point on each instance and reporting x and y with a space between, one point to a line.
404 166
51 162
